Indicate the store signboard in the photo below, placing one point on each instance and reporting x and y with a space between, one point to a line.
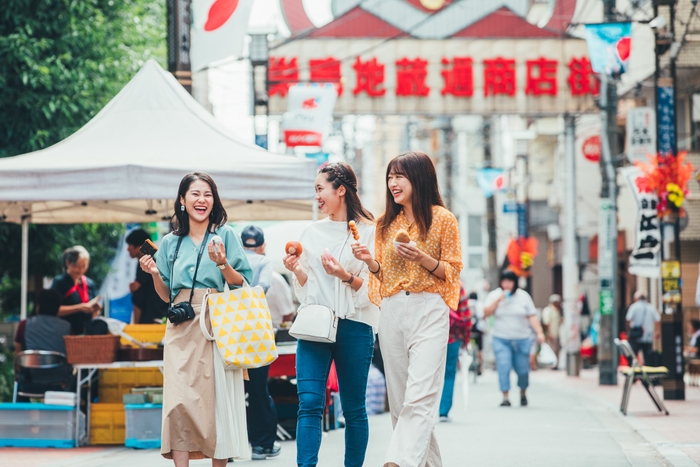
606 242
439 77
641 134
645 259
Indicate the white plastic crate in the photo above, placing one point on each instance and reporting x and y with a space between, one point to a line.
143 425
26 424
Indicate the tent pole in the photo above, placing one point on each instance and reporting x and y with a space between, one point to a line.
25 266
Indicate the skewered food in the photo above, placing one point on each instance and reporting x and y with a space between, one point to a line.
353 229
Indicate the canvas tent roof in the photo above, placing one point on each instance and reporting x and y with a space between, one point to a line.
126 163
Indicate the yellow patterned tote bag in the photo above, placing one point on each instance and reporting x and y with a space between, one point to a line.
241 326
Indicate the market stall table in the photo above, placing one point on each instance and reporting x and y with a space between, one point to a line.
91 368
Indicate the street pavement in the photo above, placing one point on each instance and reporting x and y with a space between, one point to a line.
569 422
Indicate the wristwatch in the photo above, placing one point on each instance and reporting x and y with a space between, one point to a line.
349 281
222 266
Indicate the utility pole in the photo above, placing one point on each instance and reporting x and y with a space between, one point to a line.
607 225
490 210
178 12
672 316
569 260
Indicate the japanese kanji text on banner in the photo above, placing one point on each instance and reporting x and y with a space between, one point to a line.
440 77
645 260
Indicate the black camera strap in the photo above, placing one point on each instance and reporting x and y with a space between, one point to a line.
199 258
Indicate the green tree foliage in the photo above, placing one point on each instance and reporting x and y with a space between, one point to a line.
61 61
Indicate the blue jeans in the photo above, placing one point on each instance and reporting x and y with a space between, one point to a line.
352 353
450 372
512 354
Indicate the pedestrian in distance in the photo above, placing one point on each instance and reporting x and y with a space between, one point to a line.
149 308
515 318
478 329
415 279
261 412
643 324
552 319
327 256
182 275
460 335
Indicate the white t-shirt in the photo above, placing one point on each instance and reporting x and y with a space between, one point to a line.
551 317
511 316
320 287
279 299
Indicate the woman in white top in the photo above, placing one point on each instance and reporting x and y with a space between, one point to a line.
514 316
327 256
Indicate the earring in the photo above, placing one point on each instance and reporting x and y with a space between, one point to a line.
182 208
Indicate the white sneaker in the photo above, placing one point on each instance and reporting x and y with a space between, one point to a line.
445 419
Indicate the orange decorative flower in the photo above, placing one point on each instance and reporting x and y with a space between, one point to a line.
666 176
521 255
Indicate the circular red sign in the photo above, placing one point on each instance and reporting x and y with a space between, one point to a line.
591 148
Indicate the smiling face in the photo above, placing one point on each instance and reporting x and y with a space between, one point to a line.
400 188
331 201
78 268
198 201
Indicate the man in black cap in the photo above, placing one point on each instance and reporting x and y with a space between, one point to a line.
148 306
262 415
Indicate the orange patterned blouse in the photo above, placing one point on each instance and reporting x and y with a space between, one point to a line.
396 274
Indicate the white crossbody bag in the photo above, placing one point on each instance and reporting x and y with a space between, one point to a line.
318 323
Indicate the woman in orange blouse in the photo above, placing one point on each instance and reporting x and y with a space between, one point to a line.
415 284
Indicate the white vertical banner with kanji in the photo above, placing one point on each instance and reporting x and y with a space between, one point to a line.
641 133
310 110
218 30
645 260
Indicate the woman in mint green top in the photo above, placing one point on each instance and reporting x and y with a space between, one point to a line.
208 275
191 396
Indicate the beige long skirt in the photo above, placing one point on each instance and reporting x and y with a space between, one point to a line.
189 420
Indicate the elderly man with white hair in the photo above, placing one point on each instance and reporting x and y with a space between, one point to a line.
642 325
552 319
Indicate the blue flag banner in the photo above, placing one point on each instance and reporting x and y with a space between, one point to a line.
609 46
490 180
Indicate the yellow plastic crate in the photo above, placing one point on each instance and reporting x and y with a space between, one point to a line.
107 425
147 333
115 383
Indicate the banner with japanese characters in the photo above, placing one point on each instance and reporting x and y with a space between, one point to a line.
310 110
645 260
641 133
537 77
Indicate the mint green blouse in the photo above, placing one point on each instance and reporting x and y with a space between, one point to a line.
208 276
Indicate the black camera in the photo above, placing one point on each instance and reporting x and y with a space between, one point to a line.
183 311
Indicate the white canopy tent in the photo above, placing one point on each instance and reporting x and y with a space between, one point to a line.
126 163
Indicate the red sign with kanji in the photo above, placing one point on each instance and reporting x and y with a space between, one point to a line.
458 77
410 77
370 77
499 76
541 77
281 74
326 70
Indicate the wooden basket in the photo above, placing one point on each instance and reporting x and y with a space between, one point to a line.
91 349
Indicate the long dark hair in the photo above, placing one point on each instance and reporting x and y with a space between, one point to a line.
340 173
420 172
180 222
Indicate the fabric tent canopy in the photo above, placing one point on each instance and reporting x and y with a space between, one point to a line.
126 163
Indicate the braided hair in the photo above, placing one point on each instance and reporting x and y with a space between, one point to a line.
340 173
